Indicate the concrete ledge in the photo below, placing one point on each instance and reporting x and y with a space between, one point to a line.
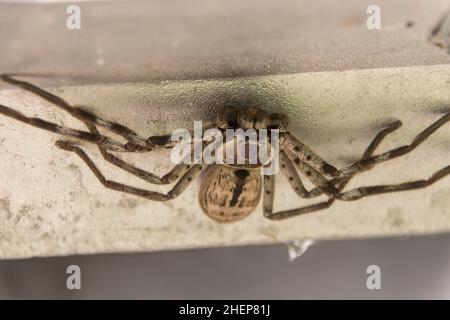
156 66
52 205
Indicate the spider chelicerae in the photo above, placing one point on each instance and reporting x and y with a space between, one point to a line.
229 192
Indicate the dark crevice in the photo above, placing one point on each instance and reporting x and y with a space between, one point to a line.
440 35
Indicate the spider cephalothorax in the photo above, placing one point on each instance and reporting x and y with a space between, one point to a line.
250 118
229 192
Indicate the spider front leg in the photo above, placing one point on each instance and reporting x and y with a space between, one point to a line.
295 182
176 172
298 150
314 175
98 139
135 141
369 162
288 169
179 187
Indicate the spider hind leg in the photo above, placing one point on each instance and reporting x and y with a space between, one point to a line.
179 187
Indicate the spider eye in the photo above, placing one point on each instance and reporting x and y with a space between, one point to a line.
228 118
278 121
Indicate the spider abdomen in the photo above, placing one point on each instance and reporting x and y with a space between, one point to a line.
229 194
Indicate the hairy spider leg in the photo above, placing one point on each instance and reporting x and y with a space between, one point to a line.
368 153
368 162
299 150
269 183
98 139
179 187
135 142
185 171
177 171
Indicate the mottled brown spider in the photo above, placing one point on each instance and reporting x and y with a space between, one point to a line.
230 192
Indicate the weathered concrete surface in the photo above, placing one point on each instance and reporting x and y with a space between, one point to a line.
51 203
339 83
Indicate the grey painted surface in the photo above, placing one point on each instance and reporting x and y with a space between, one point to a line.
414 268
122 41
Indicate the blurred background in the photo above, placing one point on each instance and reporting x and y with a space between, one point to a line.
413 268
